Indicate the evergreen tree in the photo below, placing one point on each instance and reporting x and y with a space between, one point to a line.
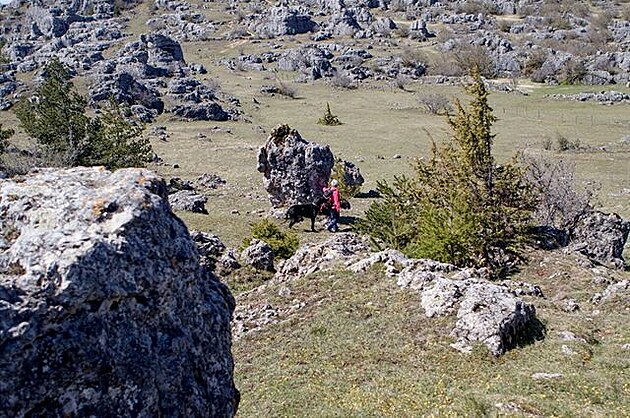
114 141
55 115
56 118
460 207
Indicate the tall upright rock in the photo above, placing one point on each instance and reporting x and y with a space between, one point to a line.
104 307
295 169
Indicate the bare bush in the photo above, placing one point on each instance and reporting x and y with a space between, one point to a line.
561 199
469 56
476 7
573 72
435 103
399 82
342 81
411 57
444 64
286 89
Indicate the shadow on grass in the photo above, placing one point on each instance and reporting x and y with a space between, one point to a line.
535 331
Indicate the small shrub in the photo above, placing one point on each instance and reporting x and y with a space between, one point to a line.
435 103
285 89
560 199
565 144
329 119
5 134
283 243
342 81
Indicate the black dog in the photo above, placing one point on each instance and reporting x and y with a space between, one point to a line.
297 213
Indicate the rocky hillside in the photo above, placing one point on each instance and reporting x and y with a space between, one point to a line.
349 43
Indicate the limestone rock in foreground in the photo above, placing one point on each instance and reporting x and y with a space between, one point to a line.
104 308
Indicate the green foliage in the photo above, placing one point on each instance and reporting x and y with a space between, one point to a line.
5 134
56 118
338 173
329 119
283 243
114 141
460 207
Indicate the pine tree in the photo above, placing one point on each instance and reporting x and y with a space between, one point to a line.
460 207
114 141
56 118
55 115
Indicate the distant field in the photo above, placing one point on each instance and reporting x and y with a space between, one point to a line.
378 123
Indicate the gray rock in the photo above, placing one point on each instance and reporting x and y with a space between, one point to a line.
259 255
104 307
201 111
281 20
442 298
352 175
210 248
615 289
418 30
601 237
210 181
295 170
188 200
228 261
491 315
547 376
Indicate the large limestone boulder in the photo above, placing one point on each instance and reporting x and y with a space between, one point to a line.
104 307
295 170
281 20
601 236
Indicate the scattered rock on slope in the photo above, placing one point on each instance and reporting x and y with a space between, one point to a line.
601 237
105 309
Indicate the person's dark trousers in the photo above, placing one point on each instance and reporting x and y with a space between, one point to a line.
332 223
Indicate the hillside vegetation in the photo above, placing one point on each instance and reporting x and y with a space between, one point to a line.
193 87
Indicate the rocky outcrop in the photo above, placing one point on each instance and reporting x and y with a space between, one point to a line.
184 26
601 237
487 313
259 255
188 200
295 170
314 257
283 20
104 307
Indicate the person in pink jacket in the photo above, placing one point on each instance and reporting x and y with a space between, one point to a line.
335 205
